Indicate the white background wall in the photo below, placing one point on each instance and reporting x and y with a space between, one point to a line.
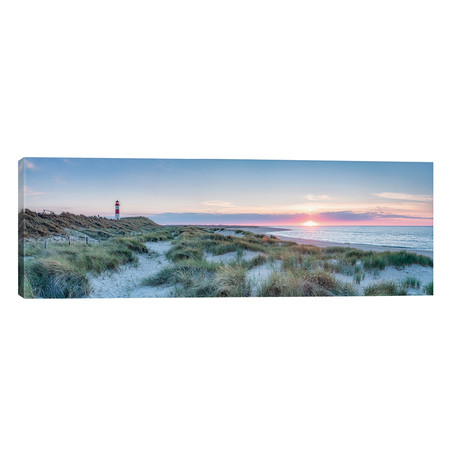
247 378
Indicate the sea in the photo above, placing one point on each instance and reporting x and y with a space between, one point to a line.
420 238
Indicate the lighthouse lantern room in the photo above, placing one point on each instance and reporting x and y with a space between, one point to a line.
117 209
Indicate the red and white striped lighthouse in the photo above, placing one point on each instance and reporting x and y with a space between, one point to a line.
117 209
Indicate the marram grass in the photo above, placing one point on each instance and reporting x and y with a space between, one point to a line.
61 270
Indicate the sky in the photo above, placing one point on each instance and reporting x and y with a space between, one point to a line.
236 192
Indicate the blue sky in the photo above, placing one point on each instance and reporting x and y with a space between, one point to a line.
234 191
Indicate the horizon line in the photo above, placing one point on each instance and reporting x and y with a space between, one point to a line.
245 224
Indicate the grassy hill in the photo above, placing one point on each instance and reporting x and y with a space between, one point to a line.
36 225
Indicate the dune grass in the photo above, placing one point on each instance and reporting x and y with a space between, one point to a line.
428 289
255 262
184 251
61 270
160 234
34 225
304 283
385 288
399 259
56 278
199 278
193 243
133 244
182 272
411 282
231 281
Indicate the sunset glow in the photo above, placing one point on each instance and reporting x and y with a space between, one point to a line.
233 192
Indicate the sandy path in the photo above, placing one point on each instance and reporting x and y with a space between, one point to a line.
127 281
257 276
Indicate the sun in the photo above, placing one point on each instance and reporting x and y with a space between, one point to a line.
310 223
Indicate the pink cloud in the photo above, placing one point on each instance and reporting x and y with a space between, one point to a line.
30 165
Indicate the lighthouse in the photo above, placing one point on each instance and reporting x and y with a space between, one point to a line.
117 209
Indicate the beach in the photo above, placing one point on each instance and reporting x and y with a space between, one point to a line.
326 244
212 261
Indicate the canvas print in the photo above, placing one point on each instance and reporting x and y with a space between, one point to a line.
106 228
